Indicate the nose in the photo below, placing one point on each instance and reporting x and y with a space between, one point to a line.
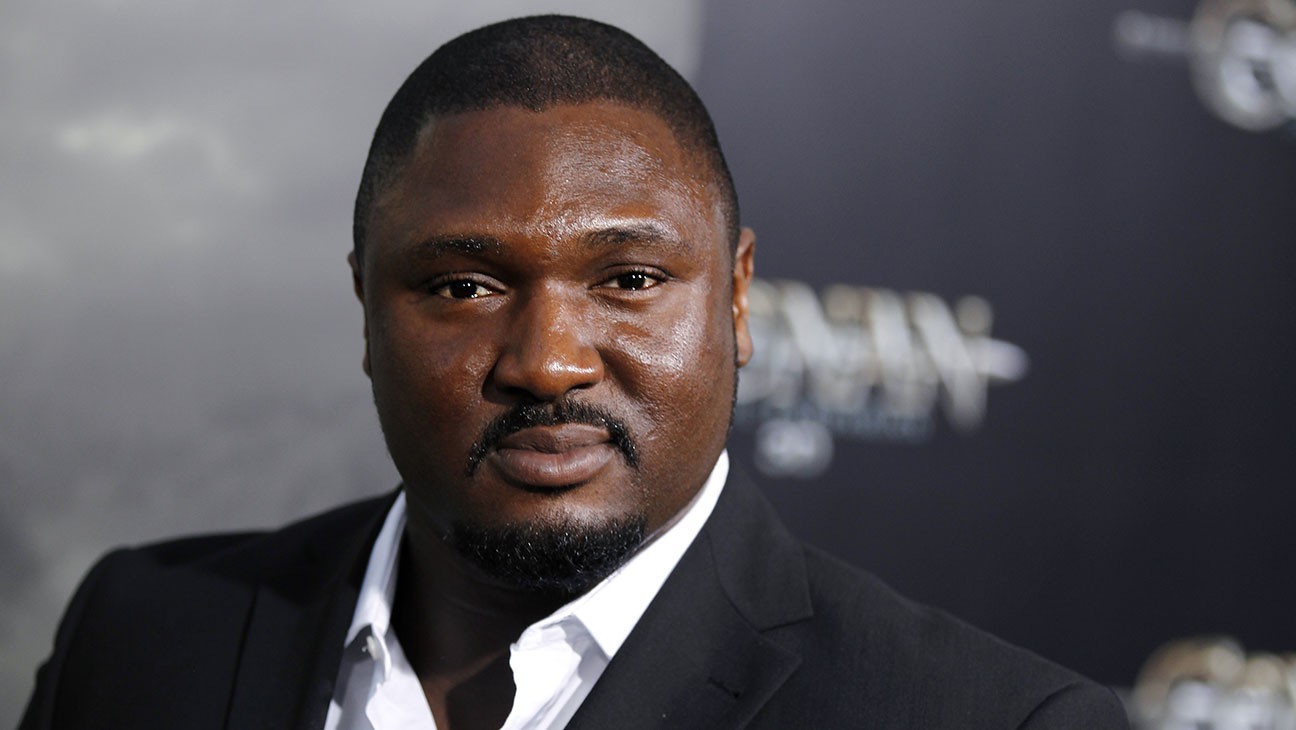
550 350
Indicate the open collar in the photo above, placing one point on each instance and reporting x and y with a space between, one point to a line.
698 656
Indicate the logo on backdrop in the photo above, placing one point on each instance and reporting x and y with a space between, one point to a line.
859 363
1242 54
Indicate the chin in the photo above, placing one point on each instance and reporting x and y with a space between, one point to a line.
564 558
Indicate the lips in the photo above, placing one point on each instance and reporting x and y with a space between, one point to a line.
551 457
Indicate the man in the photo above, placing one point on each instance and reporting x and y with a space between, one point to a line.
554 285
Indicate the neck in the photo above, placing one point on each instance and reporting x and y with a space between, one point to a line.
456 627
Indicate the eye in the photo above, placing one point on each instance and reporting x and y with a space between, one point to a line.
461 289
634 281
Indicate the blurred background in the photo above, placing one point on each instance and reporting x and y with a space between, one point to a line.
1025 336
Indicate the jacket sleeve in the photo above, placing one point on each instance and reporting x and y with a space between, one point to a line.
39 714
1082 706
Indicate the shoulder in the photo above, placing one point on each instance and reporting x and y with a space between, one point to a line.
869 657
894 659
232 548
234 558
219 572
167 618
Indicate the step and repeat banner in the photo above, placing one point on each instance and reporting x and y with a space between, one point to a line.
1027 334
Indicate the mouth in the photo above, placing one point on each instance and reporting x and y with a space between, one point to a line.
552 458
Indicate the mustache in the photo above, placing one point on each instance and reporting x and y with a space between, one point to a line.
555 413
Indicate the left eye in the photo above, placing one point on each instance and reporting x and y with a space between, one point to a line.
634 281
461 289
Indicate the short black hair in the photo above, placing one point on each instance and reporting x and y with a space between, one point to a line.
538 62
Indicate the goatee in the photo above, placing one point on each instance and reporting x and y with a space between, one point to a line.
564 560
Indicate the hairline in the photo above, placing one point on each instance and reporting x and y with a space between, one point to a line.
699 153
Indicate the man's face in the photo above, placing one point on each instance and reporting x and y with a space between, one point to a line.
553 322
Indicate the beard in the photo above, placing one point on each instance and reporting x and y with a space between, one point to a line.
563 560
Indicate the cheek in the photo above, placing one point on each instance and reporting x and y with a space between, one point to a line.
428 375
675 365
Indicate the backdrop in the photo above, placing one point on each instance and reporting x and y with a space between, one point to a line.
1024 340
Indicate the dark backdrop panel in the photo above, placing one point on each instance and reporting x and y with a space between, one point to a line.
1136 485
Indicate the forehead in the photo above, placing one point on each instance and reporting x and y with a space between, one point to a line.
510 169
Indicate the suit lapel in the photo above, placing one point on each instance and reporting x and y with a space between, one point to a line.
698 657
293 642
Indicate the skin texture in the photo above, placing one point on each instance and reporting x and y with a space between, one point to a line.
573 256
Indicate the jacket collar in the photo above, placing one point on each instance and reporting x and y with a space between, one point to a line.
293 642
698 657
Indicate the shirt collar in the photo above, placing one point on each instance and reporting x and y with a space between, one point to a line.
608 611
378 590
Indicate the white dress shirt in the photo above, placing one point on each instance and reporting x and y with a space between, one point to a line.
555 661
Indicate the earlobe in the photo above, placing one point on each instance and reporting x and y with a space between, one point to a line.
742 276
357 281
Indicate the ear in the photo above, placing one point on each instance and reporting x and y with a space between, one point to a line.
742 276
357 281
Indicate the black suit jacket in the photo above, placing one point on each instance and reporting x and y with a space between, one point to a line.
752 630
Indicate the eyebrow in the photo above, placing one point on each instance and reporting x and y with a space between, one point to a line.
438 246
644 233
